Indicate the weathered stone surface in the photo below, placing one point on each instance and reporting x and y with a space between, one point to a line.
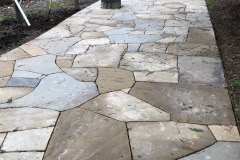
202 36
104 22
92 35
127 16
32 49
2 137
14 119
144 61
22 155
77 49
82 74
167 140
113 79
92 136
65 61
14 54
4 81
10 93
188 103
153 47
149 25
133 47
201 70
101 56
23 82
54 92
56 32
6 68
225 133
123 107
26 74
96 41
219 151
41 64
28 140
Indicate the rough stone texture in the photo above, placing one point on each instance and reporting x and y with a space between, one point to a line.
92 136
133 47
28 140
202 36
225 133
32 49
65 61
26 74
82 74
22 156
218 151
112 79
188 103
149 25
96 41
167 140
23 82
6 68
56 32
101 56
54 92
123 107
14 54
153 47
127 16
92 35
113 4
201 70
2 137
10 93
12 119
4 81
77 49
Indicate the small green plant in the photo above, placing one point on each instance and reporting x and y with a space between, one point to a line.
234 83
196 129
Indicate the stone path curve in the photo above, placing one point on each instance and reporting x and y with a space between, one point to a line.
141 82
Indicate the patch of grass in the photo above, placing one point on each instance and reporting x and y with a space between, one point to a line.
210 2
234 83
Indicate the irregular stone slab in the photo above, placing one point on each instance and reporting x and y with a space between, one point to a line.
101 56
65 61
10 93
15 119
4 81
14 54
149 25
225 133
92 136
56 32
220 151
33 49
104 22
124 16
28 140
8 68
192 49
82 74
92 35
123 107
22 155
153 47
2 137
41 64
201 70
174 5
23 82
175 30
113 79
188 103
77 49
144 61
133 47
126 90
26 74
202 36
54 92
167 140
96 41
153 16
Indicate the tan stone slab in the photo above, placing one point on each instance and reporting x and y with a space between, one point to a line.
10 93
167 140
103 22
15 54
6 68
56 32
113 79
14 119
4 81
153 47
96 41
82 74
2 137
22 156
65 61
202 36
85 135
225 133
126 90
92 35
77 49
32 49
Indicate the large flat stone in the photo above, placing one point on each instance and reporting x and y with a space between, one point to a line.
82 74
225 133
22 156
28 140
2 137
32 49
123 107
4 81
153 47
167 140
65 61
188 103
113 79
14 54
149 25
26 74
54 92
6 68
78 48
219 151
202 36
85 135
23 82
127 16
14 119
201 70
92 35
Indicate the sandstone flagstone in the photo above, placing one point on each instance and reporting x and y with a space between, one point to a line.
4 81
92 35
6 68
149 25
86 135
188 103
15 119
32 49
82 74
167 140
14 54
28 140
123 107
77 49
23 82
56 32
22 155
153 47
124 16
2 137
65 61
95 41
202 36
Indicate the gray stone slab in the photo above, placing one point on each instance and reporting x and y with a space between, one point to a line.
22 156
133 47
124 16
201 70
28 140
85 135
124 107
219 151
113 79
153 47
41 64
54 92
167 140
149 25
14 119
26 74
202 36
77 49
188 103
82 74
23 82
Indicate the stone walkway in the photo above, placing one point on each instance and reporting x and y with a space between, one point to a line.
142 82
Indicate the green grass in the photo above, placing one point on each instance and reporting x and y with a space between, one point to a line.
210 2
